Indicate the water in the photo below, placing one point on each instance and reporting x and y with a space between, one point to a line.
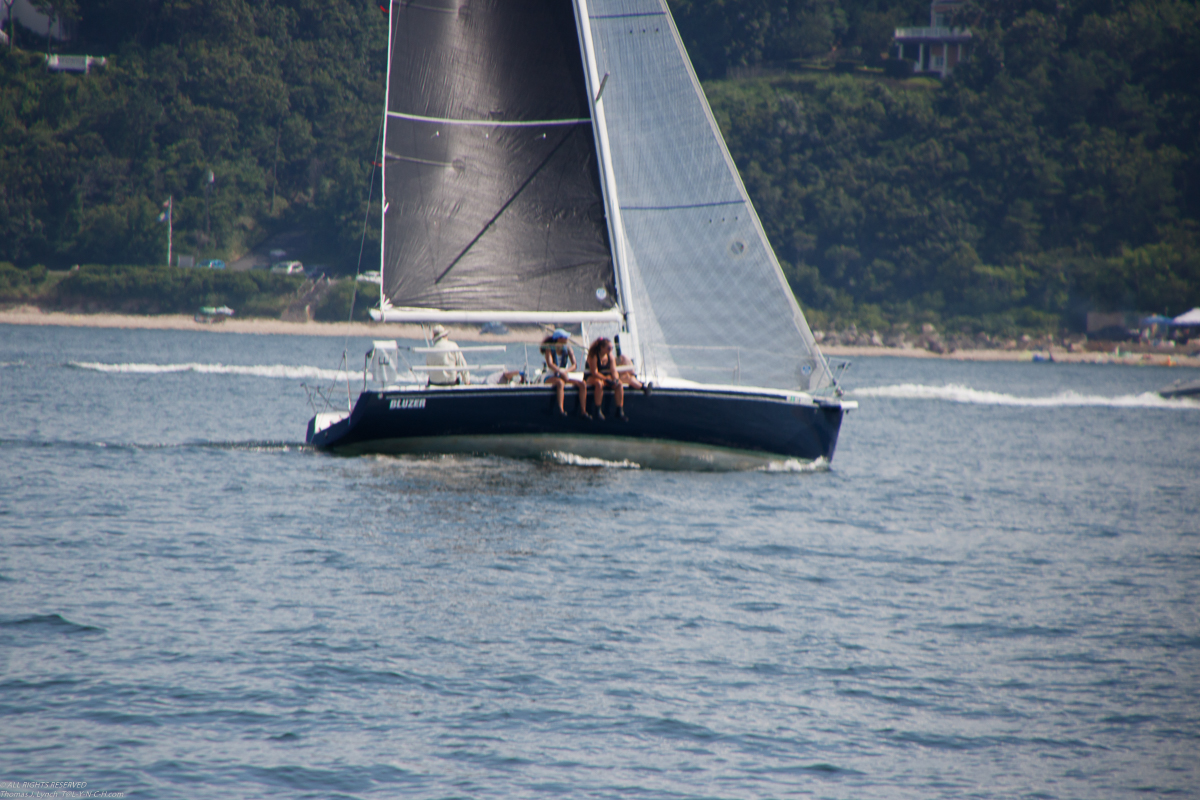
991 593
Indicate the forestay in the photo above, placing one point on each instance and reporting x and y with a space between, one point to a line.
710 300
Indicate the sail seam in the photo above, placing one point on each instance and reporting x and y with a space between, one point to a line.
491 123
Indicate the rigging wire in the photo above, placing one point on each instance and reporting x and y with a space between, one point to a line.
366 217
358 270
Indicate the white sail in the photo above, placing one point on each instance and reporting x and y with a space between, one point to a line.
710 299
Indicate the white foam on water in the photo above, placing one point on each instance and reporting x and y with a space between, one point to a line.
956 393
282 371
820 464
570 459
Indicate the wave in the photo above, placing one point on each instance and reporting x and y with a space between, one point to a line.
956 393
821 464
281 371
570 459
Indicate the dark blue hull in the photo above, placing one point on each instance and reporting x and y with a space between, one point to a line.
682 428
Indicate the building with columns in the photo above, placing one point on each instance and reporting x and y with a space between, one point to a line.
938 48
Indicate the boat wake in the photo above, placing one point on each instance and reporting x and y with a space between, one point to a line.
253 446
795 465
281 371
956 393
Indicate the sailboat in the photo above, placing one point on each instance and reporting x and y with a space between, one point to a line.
556 163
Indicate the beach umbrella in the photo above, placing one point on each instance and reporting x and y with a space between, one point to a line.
1189 320
1155 319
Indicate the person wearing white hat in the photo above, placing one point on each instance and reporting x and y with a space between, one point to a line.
447 354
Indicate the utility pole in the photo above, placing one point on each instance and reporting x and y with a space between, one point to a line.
166 216
275 168
207 191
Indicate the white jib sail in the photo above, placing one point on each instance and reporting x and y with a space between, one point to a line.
711 301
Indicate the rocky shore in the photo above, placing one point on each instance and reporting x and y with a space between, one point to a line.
1071 348
928 338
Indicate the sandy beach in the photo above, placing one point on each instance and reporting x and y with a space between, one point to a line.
30 315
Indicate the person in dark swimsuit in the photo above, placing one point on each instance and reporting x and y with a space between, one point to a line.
601 373
560 361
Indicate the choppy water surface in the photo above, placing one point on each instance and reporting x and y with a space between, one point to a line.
991 593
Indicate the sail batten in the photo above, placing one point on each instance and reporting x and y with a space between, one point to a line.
738 202
430 315
493 123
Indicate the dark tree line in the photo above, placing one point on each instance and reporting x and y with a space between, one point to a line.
1056 171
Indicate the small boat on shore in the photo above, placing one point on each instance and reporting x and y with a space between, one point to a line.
1181 388
208 315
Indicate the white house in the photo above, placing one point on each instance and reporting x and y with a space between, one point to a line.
938 48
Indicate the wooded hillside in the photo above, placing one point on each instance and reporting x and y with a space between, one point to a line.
279 99
1058 171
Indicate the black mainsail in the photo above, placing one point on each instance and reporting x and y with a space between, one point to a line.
492 198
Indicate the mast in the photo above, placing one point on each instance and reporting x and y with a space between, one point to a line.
616 228
382 155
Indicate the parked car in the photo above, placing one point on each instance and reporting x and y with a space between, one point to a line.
288 268
214 263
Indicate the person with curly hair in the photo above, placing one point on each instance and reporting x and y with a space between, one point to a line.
601 372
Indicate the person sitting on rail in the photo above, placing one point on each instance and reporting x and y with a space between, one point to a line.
447 355
560 362
601 373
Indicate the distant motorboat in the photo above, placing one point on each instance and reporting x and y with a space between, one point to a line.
1182 388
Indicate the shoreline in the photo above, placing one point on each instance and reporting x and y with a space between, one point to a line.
1059 355
31 315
